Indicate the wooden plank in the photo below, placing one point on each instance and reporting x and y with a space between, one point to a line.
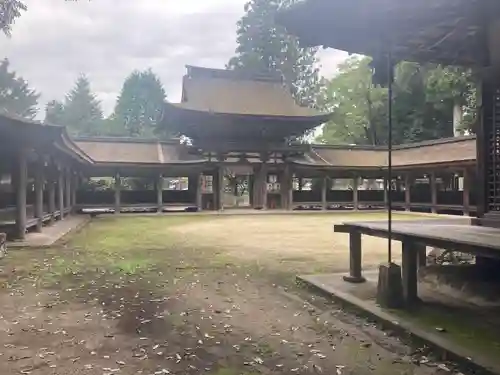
444 234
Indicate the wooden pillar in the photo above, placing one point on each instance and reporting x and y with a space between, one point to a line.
408 182
466 192
159 193
355 196
20 177
433 186
409 271
285 186
218 187
324 189
199 192
251 183
51 196
118 188
39 181
355 273
67 193
260 187
264 185
60 192
74 188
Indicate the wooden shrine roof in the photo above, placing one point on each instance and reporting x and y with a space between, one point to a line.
137 152
442 31
443 152
17 132
223 103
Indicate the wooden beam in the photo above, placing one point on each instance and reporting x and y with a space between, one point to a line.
433 186
466 191
60 191
408 183
159 193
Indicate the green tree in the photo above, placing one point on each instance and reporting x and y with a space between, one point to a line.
424 97
140 105
54 112
16 96
9 11
264 46
358 108
81 111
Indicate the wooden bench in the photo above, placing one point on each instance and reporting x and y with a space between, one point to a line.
415 236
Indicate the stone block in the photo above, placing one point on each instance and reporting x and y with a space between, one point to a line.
390 286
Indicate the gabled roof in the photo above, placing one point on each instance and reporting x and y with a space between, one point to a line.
228 92
136 151
227 104
450 32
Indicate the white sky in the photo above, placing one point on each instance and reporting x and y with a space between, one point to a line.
56 40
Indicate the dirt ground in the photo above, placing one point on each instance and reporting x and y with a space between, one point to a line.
190 295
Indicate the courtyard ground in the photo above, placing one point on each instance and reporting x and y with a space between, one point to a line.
190 295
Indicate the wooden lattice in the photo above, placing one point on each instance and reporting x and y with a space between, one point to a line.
493 155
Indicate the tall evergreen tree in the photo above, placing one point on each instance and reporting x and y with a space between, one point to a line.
81 111
16 96
9 11
264 46
140 104
54 112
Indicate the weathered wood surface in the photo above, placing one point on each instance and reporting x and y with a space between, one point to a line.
453 234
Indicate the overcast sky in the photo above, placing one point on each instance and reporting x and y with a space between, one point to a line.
55 40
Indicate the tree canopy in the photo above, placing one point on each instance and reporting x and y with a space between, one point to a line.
16 96
263 46
423 103
9 11
139 107
81 111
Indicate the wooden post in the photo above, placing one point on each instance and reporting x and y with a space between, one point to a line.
285 185
199 192
251 183
466 192
409 271
21 181
218 185
433 185
67 194
408 182
60 191
264 185
74 188
355 273
159 193
324 189
118 187
51 192
355 197
39 180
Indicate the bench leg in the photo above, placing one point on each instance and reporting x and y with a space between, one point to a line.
409 271
355 275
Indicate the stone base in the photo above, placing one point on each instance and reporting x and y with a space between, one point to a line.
390 286
354 279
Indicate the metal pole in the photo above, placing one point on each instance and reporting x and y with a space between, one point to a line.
389 163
